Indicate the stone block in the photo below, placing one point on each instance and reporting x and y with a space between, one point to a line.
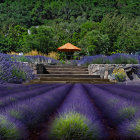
105 70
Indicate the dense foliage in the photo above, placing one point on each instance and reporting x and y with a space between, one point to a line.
96 26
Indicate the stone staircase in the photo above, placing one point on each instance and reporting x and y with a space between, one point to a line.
67 74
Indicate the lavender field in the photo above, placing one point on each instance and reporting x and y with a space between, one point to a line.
69 112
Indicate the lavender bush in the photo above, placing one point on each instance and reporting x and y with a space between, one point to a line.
41 59
11 129
14 72
34 110
13 89
112 59
77 106
29 59
115 108
130 129
17 97
123 59
121 91
71 125
131 88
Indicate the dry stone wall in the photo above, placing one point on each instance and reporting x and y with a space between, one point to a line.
105 70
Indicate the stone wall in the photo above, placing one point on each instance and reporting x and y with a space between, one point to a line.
105 70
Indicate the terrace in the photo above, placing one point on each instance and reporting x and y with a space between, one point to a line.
80 100
89 69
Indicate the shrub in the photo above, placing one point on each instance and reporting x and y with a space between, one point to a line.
71 126
123 59
119 74
130 129
19 74
112 59
41 59
10 130
13 53
128 112
62 61
12 71
54 55
99 60
22 59
137 128
35 53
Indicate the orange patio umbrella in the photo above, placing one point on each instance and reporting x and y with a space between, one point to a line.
68 48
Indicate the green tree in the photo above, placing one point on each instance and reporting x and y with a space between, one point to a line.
94 42
113 25
129 41
13 39
4 48
16 38
41 39
89 26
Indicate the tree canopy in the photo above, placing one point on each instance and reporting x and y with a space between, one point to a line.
96 26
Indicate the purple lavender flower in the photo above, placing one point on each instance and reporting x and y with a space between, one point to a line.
34 110
12 71
115 108
11 129
78 102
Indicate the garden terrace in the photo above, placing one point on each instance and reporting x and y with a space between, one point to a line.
65 74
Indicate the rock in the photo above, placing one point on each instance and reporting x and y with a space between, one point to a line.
106 74
111 77
41 69
105 70
134 75
102 71
132 71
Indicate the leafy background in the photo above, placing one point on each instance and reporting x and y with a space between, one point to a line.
96 26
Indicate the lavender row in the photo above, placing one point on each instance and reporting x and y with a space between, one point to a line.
33 111
115 108
130 129
118 58
78 101
11 129
133 88
19 90
16 97
121 92
10 90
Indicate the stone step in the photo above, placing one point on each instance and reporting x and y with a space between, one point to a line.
67 69
72 82
64 66
69 76
45 82
68 72
71 79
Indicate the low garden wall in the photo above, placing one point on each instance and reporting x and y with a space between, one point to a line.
105 70
132 71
